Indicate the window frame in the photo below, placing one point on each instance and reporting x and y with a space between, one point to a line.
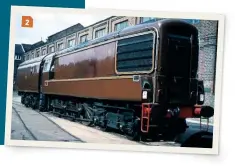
115 25
86 39
47 64
50 49
60 44
37 53
154 53
43 52
103 30
68 42
142 19
17 57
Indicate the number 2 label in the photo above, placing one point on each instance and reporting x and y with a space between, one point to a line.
27 21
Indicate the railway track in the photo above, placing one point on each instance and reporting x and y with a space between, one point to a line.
24 125
54 123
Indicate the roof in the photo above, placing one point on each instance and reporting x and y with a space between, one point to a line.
66 32
37 44
19 49
27 47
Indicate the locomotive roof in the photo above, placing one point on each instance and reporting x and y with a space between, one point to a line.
126 31
36 60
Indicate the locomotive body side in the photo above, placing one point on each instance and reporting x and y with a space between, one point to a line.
27 80
97 72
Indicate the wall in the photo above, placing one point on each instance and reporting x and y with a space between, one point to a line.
207 57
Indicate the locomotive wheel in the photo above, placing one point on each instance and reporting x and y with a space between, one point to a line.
34 103
27 101
22 99
134 132
83 118
104 127
86 117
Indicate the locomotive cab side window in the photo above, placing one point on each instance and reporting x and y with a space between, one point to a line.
46 66
135 54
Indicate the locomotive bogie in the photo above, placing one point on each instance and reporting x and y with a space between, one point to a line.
30 100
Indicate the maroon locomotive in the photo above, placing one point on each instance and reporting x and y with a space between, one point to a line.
141 80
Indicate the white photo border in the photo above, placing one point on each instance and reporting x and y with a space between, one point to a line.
115 12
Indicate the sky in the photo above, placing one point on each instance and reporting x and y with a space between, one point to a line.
46 24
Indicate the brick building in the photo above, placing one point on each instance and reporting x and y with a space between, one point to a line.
78 34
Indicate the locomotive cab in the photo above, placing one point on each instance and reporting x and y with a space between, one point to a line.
178 93
178 63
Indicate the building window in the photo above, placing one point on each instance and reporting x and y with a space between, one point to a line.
60 46
71 43
100 33
17 57
83 38
191 21
37 53
52 49
121 25
32 56
44 52
145 19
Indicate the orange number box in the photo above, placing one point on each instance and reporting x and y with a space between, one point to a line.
27 21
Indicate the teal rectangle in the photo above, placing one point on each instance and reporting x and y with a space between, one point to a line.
207 90
5 26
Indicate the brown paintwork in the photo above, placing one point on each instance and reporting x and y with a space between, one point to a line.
94 62
115 89
45 77
27 81
97 62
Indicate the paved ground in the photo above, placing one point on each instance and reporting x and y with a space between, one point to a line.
19 132
47 127
38 126
28 124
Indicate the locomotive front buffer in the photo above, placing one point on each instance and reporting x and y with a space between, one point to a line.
170 120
